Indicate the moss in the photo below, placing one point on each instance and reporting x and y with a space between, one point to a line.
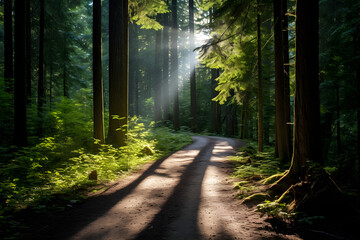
272 178
256 197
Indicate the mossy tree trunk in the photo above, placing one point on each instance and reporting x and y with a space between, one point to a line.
118 72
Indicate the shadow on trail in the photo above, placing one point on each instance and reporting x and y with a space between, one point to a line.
172 219
177 219
85 214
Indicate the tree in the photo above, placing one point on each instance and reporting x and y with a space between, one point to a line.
28 48
98 99
307 142
8 45
20 133
41 91
282 143
158 76
260 98
118 72
286 74
192 69
165 78
174 66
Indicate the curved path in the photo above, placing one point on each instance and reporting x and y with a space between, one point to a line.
187 195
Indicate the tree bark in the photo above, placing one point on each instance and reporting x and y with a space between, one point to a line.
165 78
118 71
174 66
8 46
286 75
357 65
307 141
280 118
260 90
98 98
28 51
194 124
41 91
20 131
158 76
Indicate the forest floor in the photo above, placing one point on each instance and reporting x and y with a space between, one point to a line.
188 195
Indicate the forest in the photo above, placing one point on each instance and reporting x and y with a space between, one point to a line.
94 90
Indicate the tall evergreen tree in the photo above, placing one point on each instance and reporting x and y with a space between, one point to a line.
193 100
28 49
8 46
282 143
158 76
41 84
174 65
165 78
260 98
20 131
118 72
98 99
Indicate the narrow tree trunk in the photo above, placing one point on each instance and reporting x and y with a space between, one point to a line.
338 129
65 84
8 46
193 100
133 68
28 51
118 72
357 65
286 75
174 66
260 95
280 120
20 132
166 99
41 92
158 76
51 85
98 98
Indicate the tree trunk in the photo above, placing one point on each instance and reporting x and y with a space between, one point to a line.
357 65
280 120
133 68
165 78
260 90
51 85
41 92
338 128
28 51
215 106
193 112
174 66
118 71
98 99
286 75
158 76
8 46
20 132
307 141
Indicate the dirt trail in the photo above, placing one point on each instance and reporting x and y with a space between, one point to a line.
185 196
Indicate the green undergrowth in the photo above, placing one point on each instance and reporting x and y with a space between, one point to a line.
252 170
58 166
250 164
